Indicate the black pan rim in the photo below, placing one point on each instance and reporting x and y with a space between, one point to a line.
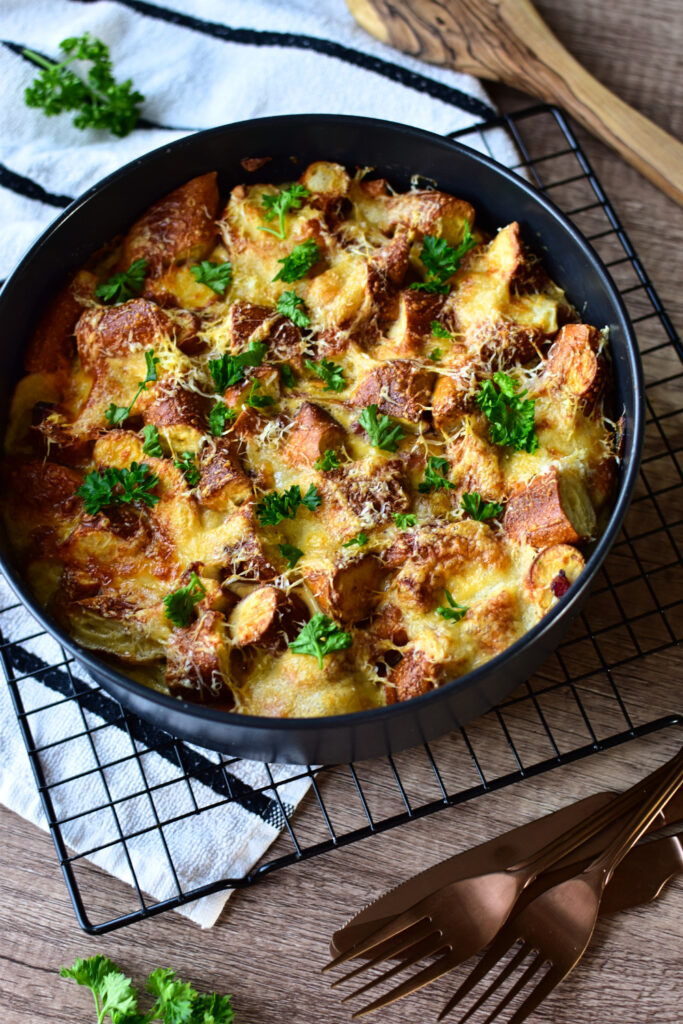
628 476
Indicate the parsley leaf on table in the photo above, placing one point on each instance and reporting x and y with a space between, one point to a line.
327 461
187 466
279 205
360 539
291 553
439 331
229 370
115 487
125 285
510 415
442 260
216 276
290 305
383 432
473 504
404 520
299 262
331 373
453 611
435 475
101 102
319 637
178 605
118 414
219 416
151 444
277 506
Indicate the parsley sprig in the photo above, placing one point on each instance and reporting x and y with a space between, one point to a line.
435 475
327 461
188 467
319 637
439 331
436 355
290 305
151 444
175 1002
179 604
114 487
118 414
229 370
216 276
291 553
219 416
100 101
299 262
287 375
125 285
279 206
361 539
277 506
473 504
510 415
382 431
405 520
442 260
452 611
331 373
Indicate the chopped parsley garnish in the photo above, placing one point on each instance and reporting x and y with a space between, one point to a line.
151 444
115 486
299 262
435 475
331 373
279 205
436 355
179 604
174 1001
327 461
188 467
287 375
229 370
383 432
404 520
360 539
99 100
125 285
290 305
319 637
439 331
219 416
473 504
118 414
216 276
258 401
510 415
291 553
275 506
453 611
442 260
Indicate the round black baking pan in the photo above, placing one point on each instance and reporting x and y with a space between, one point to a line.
396 152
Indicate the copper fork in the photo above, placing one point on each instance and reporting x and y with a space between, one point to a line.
461 919
554 929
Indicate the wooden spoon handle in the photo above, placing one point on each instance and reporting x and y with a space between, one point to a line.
508 41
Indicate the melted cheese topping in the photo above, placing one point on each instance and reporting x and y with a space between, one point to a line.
391 587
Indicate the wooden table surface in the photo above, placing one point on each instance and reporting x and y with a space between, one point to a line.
271 940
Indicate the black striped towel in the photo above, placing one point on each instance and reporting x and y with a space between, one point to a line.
200 63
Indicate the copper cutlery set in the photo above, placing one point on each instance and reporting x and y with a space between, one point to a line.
535 893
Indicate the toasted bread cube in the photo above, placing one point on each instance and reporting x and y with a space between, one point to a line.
399 387
107 622
181 226
267 617
412 328
51 347
346 592
576 364
373 489
475 466
198 661
244 553
324 176
494 622
393 259
313 432
425 212
551 509
223 483
450 399
508 257
178 415
261 382
504 343
552 573
106 331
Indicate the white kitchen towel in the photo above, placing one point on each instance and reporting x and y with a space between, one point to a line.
199 63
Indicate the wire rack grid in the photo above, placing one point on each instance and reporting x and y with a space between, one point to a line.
588 697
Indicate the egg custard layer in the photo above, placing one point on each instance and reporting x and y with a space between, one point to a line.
318 449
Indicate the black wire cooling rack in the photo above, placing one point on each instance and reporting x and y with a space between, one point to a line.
589 696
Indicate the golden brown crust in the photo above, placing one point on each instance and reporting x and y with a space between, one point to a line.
400 388
268 618
550 510
104 332
313 432
347 592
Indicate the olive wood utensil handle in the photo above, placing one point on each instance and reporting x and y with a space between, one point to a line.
508 41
